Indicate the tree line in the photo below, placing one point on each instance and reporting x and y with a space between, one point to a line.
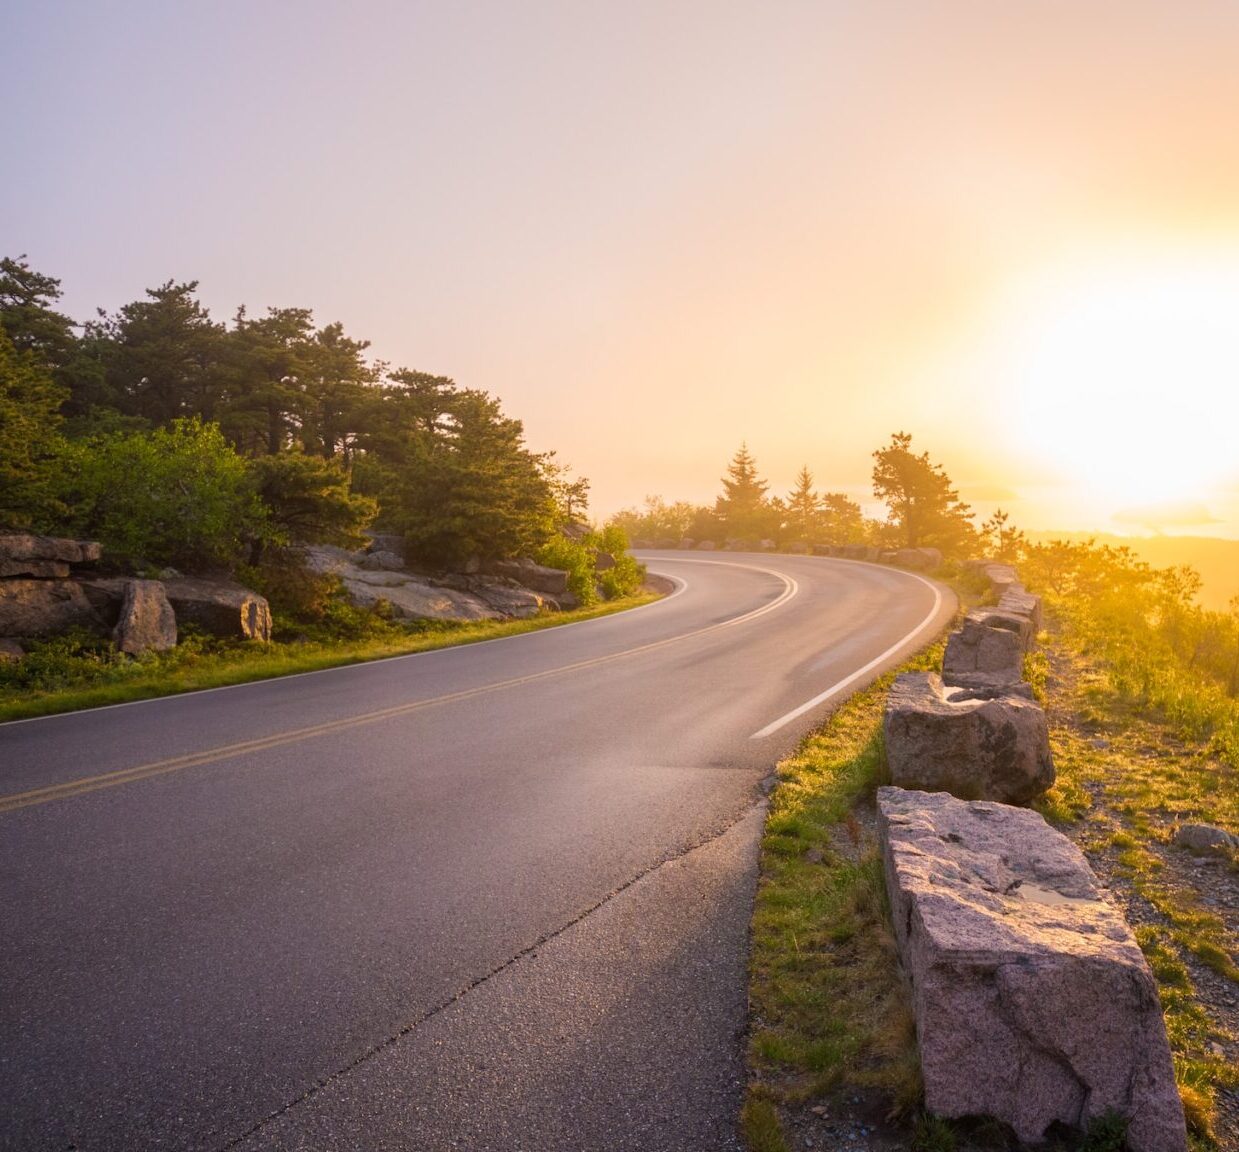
178 439
923 510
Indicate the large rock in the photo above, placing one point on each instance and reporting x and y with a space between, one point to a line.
552 581
1001 577
1018 600
989 642
519 603
416 599
603 561
220 608
977 745
919 559
706 546
408 596
1033 1002
21 546
1206 840
147 620
44 608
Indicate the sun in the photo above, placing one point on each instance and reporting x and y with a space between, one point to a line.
1125 379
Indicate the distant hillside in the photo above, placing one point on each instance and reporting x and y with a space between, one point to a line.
1216 560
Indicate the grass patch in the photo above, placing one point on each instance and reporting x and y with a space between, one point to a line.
1127 773
828 1004
75 672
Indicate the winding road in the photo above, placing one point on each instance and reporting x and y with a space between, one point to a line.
490 897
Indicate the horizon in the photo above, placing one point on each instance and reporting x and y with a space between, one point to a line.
653 235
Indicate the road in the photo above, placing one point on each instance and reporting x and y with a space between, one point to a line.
491 897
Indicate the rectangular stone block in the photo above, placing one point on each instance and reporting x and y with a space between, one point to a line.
1033 1002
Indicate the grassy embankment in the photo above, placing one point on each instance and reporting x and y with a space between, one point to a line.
75 672
832 1046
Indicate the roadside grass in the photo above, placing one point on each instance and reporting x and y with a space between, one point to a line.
1128 772
75 672
828 1006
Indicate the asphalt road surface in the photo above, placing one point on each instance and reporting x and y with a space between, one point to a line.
492 897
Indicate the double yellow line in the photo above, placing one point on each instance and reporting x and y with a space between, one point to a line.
70 788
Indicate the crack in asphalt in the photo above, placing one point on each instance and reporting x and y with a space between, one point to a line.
456 997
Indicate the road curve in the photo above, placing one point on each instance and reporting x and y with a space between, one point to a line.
491 897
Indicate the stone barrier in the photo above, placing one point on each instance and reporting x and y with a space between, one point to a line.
1034 1004
977 744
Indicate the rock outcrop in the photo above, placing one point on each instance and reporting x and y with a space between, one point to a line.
551 581
146 620
221 608
1033 1002
409 596
39 608
19 547
974 744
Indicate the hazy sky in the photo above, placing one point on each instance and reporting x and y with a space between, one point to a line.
658 229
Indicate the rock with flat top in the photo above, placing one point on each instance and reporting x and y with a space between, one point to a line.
989 642
23 546
552 581
706 546
1001 578
45 608
987 746
518 603
221 608
146 621
1019 600
1033 1002
1206 840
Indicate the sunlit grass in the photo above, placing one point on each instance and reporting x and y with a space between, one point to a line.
829 1007
1141 771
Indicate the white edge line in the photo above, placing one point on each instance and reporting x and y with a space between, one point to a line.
771 728
680 581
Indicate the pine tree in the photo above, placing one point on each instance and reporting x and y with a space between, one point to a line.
924 507
803 509
743 509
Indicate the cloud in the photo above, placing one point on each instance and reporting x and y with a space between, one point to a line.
1174 515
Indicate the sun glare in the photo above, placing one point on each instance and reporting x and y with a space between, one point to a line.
1127 381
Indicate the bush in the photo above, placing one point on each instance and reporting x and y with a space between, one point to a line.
178 495
575 558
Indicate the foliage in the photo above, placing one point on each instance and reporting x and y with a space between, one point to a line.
337 439
660 523
924 508
743 509
308 501
626 576
577 559
177 495
30 443
1001 540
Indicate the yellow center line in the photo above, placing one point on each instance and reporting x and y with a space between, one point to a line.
64 791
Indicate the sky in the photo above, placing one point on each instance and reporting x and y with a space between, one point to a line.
658 229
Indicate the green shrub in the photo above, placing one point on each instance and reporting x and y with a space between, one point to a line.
577 559
177 495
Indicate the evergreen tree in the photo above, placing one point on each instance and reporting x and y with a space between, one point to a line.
803 515
924 508
163 356
743 509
